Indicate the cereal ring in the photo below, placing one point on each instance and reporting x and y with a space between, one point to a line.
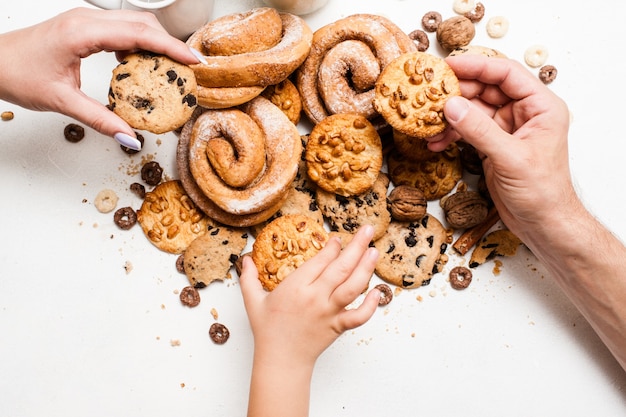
189 296
125 218
151 173
130 151
344 154
463 6
180 263
477 14
337 78
431 20
386 295
536 55
411 92
219 333
497 26
105 201
547 74
460 277
421 39
279 151
138 189
74 133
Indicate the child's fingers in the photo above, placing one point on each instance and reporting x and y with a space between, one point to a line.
345 264
357 281
251 288
353 318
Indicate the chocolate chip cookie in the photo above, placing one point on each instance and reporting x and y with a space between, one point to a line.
153 92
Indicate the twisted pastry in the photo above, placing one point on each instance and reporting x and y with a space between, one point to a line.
345 60
260 66
215 144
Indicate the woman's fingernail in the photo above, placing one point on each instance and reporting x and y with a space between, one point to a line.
456 108
128 141
198 55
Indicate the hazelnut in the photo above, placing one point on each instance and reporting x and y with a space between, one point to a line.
407 203
464 209
455 32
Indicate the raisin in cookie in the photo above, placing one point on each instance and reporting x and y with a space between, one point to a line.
411 92
344 154
347 214
284 245
153 92
169 218
411 252
210 256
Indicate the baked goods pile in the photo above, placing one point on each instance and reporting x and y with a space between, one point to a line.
371 97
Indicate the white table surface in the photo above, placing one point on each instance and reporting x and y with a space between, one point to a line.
79 336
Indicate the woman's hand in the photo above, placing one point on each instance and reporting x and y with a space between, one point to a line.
44 70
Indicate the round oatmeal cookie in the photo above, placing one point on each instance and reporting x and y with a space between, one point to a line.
153 92
435 175
412 252
284 245
411 92
210 256
348 214
169 218
344 154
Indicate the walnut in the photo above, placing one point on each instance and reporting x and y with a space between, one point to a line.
455 32
407 203
464 209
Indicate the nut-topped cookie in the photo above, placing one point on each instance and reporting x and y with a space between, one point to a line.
153 92
284 245
411 252
170 219
436 174
344 154
411 92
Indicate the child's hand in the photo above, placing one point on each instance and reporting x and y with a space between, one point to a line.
307 311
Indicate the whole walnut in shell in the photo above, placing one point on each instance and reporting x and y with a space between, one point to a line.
464 209
407 203
455 32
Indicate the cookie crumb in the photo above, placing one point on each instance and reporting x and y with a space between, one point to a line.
128 267
214 313
174 342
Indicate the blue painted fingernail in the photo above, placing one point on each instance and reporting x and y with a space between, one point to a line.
128 141
198 55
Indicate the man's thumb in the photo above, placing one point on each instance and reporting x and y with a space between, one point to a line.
473 125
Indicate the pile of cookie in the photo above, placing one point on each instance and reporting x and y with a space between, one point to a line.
372 94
